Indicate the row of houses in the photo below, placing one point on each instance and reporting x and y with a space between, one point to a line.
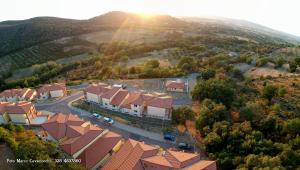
20 113
26 94
134 103
102 149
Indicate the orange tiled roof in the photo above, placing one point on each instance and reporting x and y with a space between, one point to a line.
170 160
57 125
51 87
74 144
99 149
130 155
26 93
132 98
2 107
18 108
110 93
119 97
97 89
161 102
203 165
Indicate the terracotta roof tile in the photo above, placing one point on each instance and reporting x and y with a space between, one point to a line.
203 165
27 93
130 155
57 125
161 102
99 149
18 108
119 97
110 93
98 89
2 107
72 145
51 87
132 98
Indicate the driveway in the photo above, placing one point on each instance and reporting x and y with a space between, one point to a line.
64 106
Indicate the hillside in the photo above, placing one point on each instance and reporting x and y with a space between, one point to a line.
16 35
38 40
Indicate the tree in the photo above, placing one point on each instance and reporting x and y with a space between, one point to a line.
237 73
212 142
246 114
293 66
186 64
269 92
180 115
292 127
217 90
210 112
206 74
152 64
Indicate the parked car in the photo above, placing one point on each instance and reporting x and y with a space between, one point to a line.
169 136
185 146
95 115
123 86
99 116
108 120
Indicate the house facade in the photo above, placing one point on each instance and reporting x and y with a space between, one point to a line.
54 90
133 103
19 113
14 95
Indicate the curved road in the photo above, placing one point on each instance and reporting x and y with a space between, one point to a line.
64 106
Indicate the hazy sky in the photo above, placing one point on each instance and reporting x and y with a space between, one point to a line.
282 15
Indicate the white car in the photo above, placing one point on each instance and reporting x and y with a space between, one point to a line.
108 120
95 115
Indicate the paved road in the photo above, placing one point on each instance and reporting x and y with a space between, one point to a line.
126 131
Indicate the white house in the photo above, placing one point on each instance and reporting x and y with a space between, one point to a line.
176 86
94 91
52 90
160 107
20 113
14 95
108 96
118 99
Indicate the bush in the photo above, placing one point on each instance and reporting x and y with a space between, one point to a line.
217 90
180 115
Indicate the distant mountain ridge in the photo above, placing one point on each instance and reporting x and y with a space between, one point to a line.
15 35
245 25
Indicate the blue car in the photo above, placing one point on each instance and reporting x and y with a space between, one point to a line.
169 136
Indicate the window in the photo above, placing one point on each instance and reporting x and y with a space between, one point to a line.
135 105
135 111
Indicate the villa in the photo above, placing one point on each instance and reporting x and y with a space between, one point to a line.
14 95
133 103
82 140
136 155
19 113
55 90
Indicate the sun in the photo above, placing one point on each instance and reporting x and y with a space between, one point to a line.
145 15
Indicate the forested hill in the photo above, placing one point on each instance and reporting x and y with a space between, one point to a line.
16 35
243 28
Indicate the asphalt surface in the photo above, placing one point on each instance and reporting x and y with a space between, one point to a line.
62 106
